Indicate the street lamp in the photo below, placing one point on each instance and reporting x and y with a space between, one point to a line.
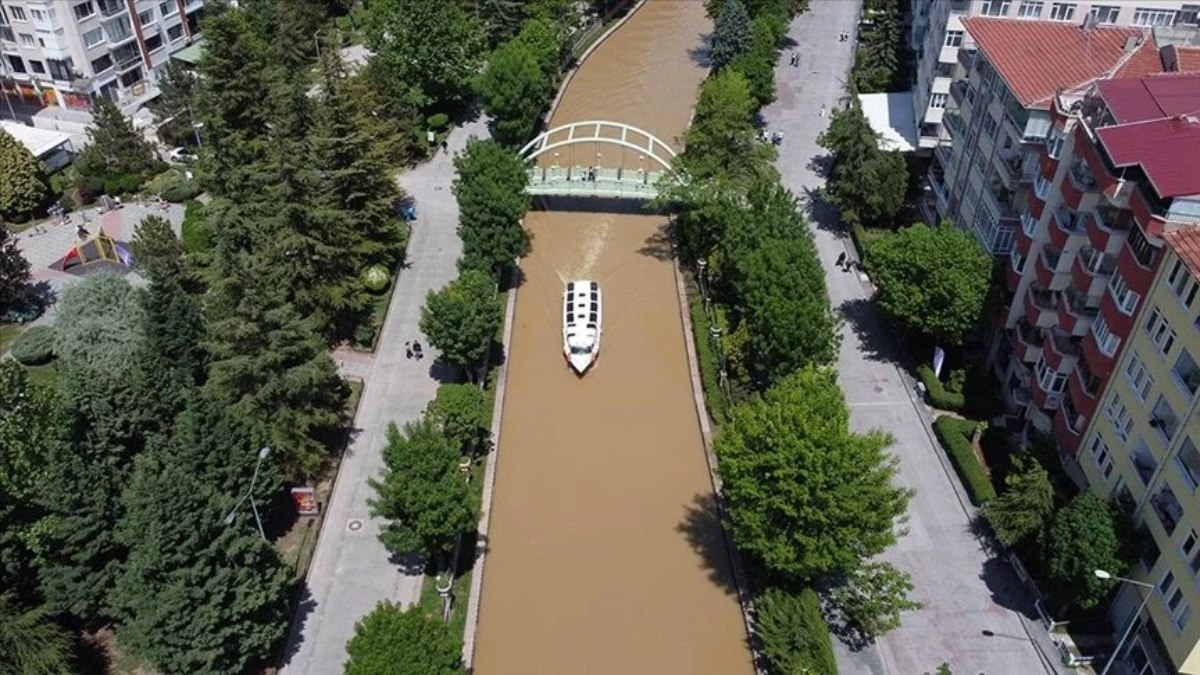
262 454
1101 574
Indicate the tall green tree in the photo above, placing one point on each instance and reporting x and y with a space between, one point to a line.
172 109
757 64
873 598
490 188
500 19
461 320
880 48
421 494
115 147
1026 503
933 281
514 90
1081 538
31 643
731 34
14 272
426 53
794 636
806 496
24 187
157 252
866 184
170 363
721 144
461 412
396 641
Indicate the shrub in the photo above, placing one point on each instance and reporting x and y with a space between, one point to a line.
955 436
794 636
939 396
195 233
122 183
707 362
376 279
181 191
438 122
35 347
88 188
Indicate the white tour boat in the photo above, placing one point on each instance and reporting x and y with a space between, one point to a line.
581 324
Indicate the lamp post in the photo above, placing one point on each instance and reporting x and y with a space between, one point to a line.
262 454
1101 574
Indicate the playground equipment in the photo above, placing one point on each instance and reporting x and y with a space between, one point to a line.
90 248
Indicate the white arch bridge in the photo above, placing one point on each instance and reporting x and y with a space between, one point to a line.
580 167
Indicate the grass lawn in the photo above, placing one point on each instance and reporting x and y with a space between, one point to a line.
8 335
47 374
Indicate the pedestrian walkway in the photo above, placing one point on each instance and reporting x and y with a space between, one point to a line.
975 611
351 571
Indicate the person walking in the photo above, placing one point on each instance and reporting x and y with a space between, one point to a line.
841 260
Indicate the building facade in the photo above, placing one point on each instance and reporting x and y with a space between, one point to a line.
937 38
64 52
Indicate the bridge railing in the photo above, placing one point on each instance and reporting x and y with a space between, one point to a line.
593 182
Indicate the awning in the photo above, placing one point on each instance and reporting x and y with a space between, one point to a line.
891 116
190 54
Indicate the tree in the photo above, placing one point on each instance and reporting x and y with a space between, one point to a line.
794 636
731 34
156 250
865 184
421 494
881 44
31 643
115 147
514 90
757 64
172 109
501 18
933 281
1027 501
24 187
170 364
1082 538
14 272
490 188
395 641
461 319
721 144
873 598
426 53
461 412
806 496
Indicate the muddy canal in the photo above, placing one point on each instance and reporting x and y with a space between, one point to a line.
604 554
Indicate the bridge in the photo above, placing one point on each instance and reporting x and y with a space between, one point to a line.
584 172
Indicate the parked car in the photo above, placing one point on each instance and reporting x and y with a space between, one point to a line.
181 155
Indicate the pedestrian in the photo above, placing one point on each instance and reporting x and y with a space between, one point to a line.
841 261
408 352
417 348
445 146
822 113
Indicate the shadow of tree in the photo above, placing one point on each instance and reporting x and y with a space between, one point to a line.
701 54
659 245
303 606
1006 589
874 336
822 214
701 526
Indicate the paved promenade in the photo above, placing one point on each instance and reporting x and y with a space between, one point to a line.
351 571
972 602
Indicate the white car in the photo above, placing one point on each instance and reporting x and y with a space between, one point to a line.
181 155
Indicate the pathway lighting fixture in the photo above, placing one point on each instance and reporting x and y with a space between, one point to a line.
263 453
1102 574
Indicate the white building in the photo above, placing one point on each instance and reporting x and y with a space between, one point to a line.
63 52
942 46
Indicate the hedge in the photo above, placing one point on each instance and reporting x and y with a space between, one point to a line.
938 396
35 346
710 376
794 634
955 434
195 232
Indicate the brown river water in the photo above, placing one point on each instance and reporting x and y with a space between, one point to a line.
604 554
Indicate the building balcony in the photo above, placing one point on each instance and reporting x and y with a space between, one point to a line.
1120 323
1077 186
953 122
1039 306
111 7
1046 269
937 183
1045 400
958 91
1068 429
1106 226
1137 269
1099 362
1144 464
1168 509
966 57
1091 270
1084 388
1067 225
1028 341
1074 312
1061 352
1012 278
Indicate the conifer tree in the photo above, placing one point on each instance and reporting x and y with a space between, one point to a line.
116 147
731 34
23 184
173 108
14 272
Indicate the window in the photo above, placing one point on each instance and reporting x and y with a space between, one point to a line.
16 63
937 101
1105 13
37 14
1183 283
1100 454
93 37
1189 15
61 69
1017 260
154 42
37 67
1030 9
1118 414
1188 462
27 40
1055 143
1186 372
175 32
102 64
1164 420
167 8
1062 11
1106 340
1127 299
954 38
1139 378
1172 597
146 18
1149 16
996 7
1189 547
83 10
1049 380
17 13
1159 330
6 33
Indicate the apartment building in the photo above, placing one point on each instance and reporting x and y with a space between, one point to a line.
64 52
939 39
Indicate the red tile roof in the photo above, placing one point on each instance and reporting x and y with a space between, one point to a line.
1166 149
1186 243
1039 58
1151 98
1182 59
